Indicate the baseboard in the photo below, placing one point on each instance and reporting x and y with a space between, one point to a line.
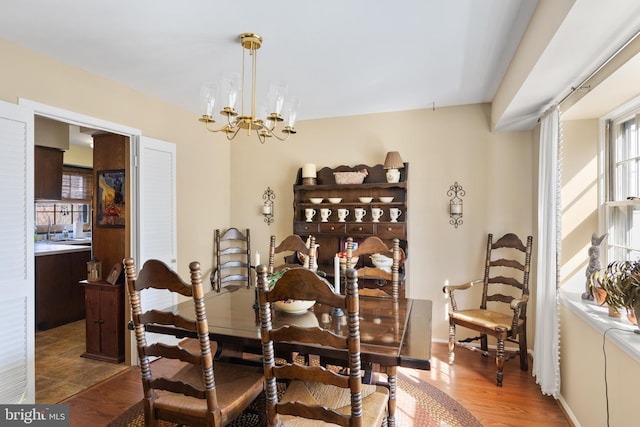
568 413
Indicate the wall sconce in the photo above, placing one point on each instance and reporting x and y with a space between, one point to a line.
267 206
455 204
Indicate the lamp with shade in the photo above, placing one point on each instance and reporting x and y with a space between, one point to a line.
392 163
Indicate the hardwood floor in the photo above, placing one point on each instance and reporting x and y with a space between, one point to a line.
471 381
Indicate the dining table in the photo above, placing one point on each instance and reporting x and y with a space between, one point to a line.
393 332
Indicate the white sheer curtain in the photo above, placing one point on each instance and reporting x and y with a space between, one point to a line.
546 350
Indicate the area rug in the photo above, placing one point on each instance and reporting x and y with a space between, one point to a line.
418 404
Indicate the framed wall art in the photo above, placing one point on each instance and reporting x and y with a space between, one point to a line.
110 209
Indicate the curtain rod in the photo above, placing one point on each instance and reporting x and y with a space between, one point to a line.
582 85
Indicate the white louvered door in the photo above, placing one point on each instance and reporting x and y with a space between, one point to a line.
17 316
156 219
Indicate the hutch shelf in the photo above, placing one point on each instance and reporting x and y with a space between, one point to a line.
331 235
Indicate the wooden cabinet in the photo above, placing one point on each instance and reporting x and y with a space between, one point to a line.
48 173
331 235
104 321
59 299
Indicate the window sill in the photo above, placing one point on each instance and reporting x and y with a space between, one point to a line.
599 319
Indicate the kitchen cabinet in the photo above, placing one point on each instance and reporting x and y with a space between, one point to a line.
331 234
59 299
48 173
104 322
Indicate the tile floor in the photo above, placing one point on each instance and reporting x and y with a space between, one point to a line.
60 371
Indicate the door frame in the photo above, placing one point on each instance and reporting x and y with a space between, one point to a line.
74 118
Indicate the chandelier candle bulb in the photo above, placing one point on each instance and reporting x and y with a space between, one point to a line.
336 274
257 259
309 170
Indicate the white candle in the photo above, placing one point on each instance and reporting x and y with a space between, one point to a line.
309 170
456 209
266 209
257 258
336 273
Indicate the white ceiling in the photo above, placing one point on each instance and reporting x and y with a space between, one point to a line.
340 57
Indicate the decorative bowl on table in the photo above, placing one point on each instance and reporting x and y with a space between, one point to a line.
382 262
386 199
365 199
335 199
316 200
294 306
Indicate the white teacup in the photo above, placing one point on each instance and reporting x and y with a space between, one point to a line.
359 214
342 214
325 213
394 213
309 213
376 213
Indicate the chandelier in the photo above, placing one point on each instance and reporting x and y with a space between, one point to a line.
264 124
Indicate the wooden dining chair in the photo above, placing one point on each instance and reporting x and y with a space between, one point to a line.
370 247
232 258
315 395
201 393
291 244
502 312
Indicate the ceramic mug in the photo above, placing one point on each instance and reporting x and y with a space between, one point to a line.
325 213
376 213
360 213
309 213
394 213
342 214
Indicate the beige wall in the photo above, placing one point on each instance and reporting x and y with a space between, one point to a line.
220 184
202 159
78 155
582 358
582 365
441 147
579 194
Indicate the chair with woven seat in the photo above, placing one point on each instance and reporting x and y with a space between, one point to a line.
316 396
294 245
200 393
503 309
232 258
373 246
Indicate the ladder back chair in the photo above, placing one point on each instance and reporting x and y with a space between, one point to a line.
233 258
199 393
503 308
315 395
292 243
370 247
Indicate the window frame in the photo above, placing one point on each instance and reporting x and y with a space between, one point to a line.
620 244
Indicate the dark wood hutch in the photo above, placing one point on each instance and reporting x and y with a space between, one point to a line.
331 235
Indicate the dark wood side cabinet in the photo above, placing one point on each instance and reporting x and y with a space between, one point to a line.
48 173
59 299
104 321
330 235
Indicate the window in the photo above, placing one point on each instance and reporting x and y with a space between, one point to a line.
77 184
622 208
75 206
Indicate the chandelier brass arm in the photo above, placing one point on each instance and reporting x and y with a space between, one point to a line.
264 127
